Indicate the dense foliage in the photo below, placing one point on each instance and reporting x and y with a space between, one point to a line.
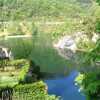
89 81
22 9
17 17
18 88
24 71
90 84
21 17
98 27
98 1
32 91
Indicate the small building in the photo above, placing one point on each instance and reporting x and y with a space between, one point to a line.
5 53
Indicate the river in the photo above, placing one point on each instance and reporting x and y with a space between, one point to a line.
65 87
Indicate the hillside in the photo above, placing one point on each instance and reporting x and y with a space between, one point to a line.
35 9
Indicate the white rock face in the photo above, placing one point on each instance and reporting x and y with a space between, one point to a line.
5 53
67 45
95 37
66 42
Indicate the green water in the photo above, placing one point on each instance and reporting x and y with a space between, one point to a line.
39 49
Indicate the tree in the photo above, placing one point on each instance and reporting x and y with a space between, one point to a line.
98 1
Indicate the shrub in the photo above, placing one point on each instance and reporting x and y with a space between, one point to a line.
98 26
79 79
17 63
98 1
91 83
34 91
24 72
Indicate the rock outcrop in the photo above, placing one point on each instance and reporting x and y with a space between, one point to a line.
67 46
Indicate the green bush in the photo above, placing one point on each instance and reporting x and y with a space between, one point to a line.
79 79
91 84
25 9
98 1
24 72
34 91
98 26
29 73
30 87
28 70
18 62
